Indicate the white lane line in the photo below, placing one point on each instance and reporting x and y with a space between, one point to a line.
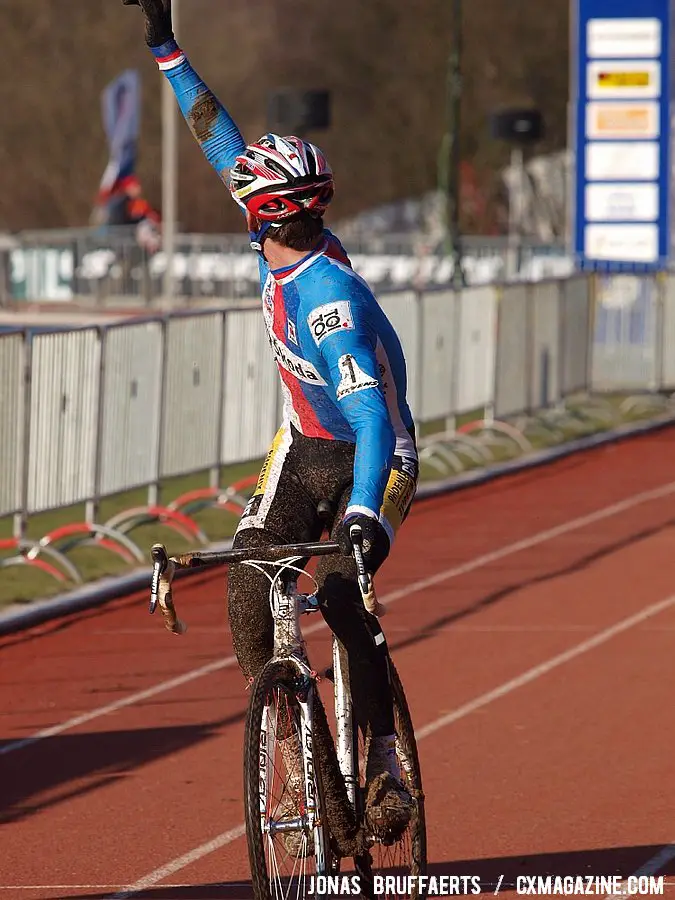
651 867
553 663
175 865
413 587
460 713
118 704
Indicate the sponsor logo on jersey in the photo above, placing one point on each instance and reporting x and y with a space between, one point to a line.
400 491
292 333
329 319
268 294
285 357
353 378
409 466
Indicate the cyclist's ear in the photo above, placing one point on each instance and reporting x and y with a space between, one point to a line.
253 223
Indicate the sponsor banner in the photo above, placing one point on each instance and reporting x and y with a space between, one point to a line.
623 38
622 120
622 80
634 161
621 86
622 202
617 243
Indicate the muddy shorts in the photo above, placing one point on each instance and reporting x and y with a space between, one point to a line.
297 474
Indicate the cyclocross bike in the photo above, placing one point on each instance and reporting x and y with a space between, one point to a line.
298 825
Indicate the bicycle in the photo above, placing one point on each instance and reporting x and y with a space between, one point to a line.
287 738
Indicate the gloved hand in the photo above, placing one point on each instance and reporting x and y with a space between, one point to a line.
375 540
158 28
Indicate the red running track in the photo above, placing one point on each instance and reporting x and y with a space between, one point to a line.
533 623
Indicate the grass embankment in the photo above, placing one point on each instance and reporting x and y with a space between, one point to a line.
20 584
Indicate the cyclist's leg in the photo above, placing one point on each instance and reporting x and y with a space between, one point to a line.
389 805
343 610
279 512
282 511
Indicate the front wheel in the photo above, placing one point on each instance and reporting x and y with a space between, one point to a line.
286 830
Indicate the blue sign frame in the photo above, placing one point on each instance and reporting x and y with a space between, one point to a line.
585 11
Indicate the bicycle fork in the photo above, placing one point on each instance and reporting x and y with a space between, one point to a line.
288 645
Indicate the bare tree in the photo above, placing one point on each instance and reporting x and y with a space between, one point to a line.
384 62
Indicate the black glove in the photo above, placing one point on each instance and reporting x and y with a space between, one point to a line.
158 29
375 544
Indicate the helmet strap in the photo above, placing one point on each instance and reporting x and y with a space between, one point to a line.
257 230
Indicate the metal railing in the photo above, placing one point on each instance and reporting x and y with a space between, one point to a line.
91 412
103 266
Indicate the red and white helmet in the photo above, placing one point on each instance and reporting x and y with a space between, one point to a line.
277 177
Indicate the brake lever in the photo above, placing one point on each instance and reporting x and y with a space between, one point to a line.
160 591
365 579
160 562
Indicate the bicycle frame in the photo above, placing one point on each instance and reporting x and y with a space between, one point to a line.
287 606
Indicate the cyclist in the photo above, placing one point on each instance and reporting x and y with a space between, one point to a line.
347 434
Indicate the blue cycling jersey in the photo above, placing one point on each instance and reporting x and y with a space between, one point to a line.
341 364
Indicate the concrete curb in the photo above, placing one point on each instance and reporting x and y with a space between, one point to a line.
106 589
543 457
94 594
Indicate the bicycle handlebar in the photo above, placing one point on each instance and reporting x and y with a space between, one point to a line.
165 567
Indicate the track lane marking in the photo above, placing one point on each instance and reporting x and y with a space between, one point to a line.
651 867
547 666
413 587
153 878
530 675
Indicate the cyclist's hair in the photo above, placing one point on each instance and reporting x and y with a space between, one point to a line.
299 232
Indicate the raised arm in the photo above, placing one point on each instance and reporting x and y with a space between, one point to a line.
208 120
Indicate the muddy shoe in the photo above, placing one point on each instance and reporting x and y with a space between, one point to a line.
389 807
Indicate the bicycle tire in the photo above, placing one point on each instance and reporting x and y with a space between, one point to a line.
368 865
280 678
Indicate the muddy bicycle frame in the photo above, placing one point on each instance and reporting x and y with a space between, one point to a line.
287 606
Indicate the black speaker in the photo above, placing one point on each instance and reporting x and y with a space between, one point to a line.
519 126
290 110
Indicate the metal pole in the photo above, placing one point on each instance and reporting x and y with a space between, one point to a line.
454 148
169 173
516 211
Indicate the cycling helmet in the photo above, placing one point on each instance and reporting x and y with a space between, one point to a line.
277 177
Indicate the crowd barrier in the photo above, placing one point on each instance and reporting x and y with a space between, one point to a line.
103 266
91 412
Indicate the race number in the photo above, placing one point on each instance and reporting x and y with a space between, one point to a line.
353 378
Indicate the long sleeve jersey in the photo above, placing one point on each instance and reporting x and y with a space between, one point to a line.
340 361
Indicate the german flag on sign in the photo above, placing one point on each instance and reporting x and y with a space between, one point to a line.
623 79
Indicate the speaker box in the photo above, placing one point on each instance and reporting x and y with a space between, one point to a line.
519 126
290 110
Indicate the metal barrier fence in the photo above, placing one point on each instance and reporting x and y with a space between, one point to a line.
105 265
91 412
